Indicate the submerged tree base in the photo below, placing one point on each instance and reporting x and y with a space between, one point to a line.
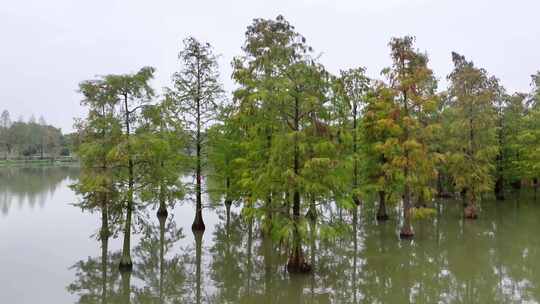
125 265
297 263
445 194
382 217
470 212
162 213
198 224
406 233
298 267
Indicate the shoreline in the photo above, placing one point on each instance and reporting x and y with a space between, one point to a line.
34 162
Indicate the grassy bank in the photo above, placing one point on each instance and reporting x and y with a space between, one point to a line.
30 161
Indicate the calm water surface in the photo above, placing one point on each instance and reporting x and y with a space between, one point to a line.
49 253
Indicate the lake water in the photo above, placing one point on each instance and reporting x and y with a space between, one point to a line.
49 253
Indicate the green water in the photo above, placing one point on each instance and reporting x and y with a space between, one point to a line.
49 253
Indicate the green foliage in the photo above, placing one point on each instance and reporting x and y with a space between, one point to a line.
380 138
421 213
472 126
289 154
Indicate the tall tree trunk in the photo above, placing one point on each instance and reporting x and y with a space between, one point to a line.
381 213
406 230
296 263
356 199
469 211
125 262
198 223
499 184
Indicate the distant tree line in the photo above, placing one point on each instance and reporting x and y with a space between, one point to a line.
32 138
295 141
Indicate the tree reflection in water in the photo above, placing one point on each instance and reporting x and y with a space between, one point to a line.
451 260
31 185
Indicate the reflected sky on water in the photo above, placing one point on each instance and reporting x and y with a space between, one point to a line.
50 253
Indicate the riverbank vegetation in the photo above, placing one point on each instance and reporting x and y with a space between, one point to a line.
295 142
31 141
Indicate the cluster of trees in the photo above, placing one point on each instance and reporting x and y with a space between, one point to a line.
31 138
295 141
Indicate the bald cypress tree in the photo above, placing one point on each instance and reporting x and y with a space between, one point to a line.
115 104
194 101
474 131
282 104
413 86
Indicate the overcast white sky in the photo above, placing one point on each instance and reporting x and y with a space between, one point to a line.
48 47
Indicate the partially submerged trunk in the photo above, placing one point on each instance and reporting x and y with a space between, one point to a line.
406 230
499 189
516 185
125 262
382 215
126 265
296 262
470 211
356 199
198 223
463 195
228 204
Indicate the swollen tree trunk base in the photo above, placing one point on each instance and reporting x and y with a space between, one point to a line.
381 212
406 233
516 185
382 217
198 223
297 264
470 212
499 189
162 212
162 217
125 265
